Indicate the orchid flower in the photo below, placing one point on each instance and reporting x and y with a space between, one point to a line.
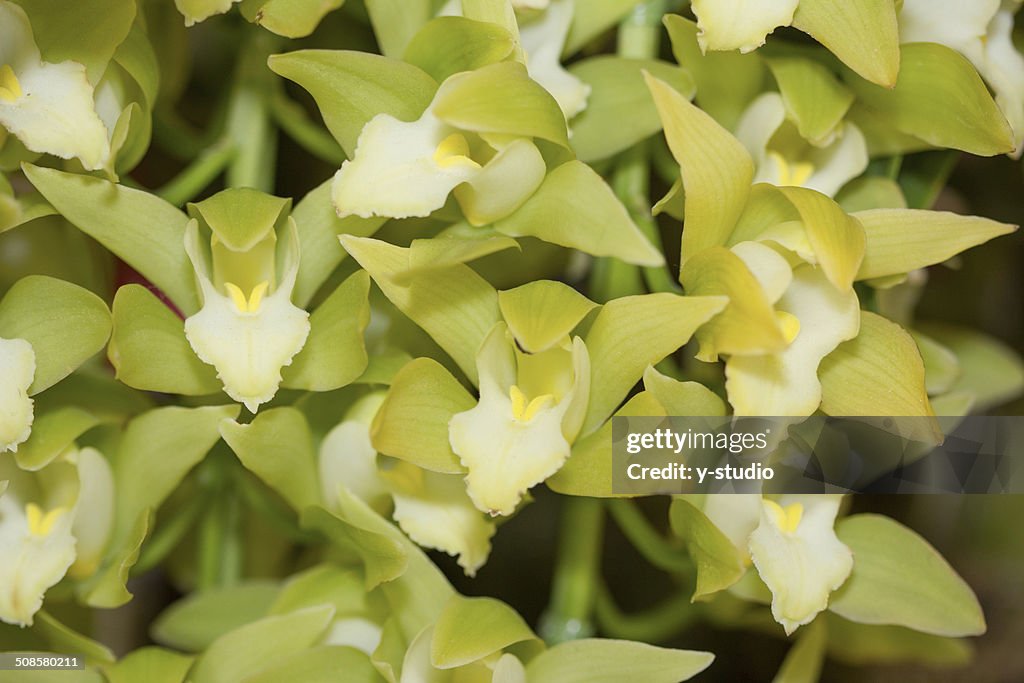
543 40
17 368
48 107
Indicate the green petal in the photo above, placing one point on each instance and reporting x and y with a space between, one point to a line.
240 217
805 658
504 184
542 313
452 248
941 99
902 240
717 170
65 324
593 660
57 28
632 333
682 398
898 578
815 100
350 88
52 433
862 34
941 368
396 22
384 558
152 664
600 16
574 207
148 348
719 563
837 239
470 629
860 645
277 447
288 18
412 423
448 45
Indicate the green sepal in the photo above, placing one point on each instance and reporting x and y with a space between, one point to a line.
567 207
865 645
450 248
148 348
600 16
594 659
65 324
836 238
350 88
320 664
471 629
412 422
899 579
278 448
871 192
617 94
864 35
151 664
288 18
814 99
335 351
632 333
501 99
682 398
719 563
240 217
542 313
52 433
194 622
395 22
941 368
450 45
144 230
941 99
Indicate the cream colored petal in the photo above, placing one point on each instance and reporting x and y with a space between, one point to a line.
94 512
770 269
17 369
799 557
248 348
402 169
838 163
362 634
740 24
504 184
543 41
33 557
196 11
1003 67
435 511
786 384
954 23
736 515
759 122
347 458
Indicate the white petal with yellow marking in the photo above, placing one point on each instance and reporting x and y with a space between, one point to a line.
17 369
799 557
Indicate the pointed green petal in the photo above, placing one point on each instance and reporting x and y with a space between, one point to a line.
470 629
837 239
862 34
719 563
240 217
396 22
593 659
815 100
449 45
682 398
53 432
288 18
632 333
990 371
717 170
542 313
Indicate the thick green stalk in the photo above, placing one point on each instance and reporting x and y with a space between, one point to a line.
249 125
577 570
294 121
656 625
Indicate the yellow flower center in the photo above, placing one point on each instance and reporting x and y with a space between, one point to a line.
453 151
40 523
250 304
792 173
786 518
10 88
524 411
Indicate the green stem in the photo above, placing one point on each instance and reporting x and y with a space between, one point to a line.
577 572
656 625
646 539
294 121
248 118
198 175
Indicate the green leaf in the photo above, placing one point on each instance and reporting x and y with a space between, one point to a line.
470 629
542 313
350 88
941 99
193 623
395 22
726 81
52 433
65 324
617 94
335 351
814 99
501 98
454 305
148 348
632 333
882 355
289 18
862 644
139 227
321 664
837 239
719 563
574 207
449 45
384 558
412 423
63 639
319 228
682 398
864 35
594 660
990 371
748 324
805 658
150 664
902 240
157 450
717 170
899 579
278 448
254 647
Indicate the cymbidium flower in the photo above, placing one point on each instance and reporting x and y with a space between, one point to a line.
432 508
530 411
49 107
247 328
17 368
983 32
